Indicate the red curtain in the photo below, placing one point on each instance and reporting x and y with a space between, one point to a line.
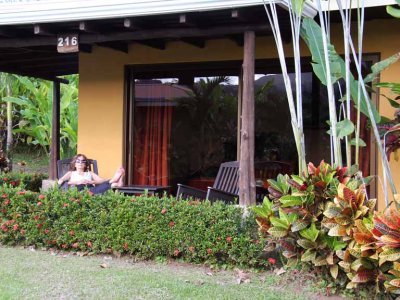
151 142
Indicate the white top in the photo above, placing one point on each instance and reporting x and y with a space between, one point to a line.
75 176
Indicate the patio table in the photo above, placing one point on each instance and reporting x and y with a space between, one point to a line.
140 189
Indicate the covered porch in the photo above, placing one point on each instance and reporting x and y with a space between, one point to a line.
137 64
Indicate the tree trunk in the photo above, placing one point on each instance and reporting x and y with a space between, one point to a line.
9 141
247 193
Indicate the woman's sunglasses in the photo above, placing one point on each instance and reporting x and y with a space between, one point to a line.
80 161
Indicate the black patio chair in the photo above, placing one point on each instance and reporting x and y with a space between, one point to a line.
63 166
225 186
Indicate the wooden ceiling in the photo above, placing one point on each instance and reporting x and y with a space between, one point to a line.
31 49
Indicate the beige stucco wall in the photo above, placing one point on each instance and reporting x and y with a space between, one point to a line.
100 131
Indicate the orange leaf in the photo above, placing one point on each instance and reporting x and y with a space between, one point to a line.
363 276
363 238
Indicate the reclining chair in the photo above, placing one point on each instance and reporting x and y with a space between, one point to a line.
64 165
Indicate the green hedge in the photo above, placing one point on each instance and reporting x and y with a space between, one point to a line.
32 182
147 227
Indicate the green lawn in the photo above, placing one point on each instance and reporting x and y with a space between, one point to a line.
26 274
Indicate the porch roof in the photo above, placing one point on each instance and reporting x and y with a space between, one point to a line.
29 28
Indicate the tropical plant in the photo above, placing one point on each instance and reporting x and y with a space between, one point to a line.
393 11
295 108
35 108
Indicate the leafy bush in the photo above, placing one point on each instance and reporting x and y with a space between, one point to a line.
319 220
32 182
324 221
147 227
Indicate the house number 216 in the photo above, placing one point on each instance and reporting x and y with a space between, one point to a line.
67 43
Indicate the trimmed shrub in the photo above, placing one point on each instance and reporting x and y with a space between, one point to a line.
32 182
144 226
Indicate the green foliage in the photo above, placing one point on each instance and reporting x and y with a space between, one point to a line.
34 104
147 227
312 35
31 182
322 219
393 11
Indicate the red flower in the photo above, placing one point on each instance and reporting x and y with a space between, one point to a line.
39 203
64 246
125 246
7 202
46 231
4 227
21 193
41 196
36 217
171 224
272 261
71 233
90 193
191 249
209 251
13 183
229 239
176 252
5 178
4 196
65 205
164 211
40 225
15 227
89 244
75 245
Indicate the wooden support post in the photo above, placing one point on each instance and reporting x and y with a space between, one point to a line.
55 131
247 192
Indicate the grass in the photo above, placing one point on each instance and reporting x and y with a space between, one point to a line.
27 274
36 159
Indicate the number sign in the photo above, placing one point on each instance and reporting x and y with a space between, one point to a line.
68 43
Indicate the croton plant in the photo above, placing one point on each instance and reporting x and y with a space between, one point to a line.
324 219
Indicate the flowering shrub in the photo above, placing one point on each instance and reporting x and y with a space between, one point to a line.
147 227
32 182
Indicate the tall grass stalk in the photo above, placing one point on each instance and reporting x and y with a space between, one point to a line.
385 163
337 155
296 117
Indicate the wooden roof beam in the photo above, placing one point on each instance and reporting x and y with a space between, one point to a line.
88 27
117 46
86 48
131 24
140 35
41 29
187 20
196 42
238 39
156 44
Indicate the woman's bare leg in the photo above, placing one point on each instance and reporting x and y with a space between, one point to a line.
119 183
118 174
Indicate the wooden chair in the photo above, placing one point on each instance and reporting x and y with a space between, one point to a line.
225 187
270 169
63 166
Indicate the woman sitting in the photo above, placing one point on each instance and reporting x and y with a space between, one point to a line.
80 176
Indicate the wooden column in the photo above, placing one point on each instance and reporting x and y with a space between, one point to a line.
55 131
247 192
